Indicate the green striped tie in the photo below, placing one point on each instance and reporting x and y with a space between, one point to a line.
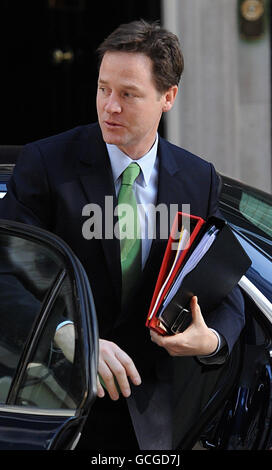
129 227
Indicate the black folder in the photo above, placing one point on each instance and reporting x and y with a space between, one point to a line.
211 280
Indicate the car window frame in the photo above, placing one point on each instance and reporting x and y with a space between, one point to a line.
231 209
87 321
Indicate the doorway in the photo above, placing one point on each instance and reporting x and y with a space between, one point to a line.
48 62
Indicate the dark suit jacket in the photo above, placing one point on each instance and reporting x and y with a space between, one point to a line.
56 177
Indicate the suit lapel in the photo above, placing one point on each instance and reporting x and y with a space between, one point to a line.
94 171
170 192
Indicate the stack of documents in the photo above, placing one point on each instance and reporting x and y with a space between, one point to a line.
208 261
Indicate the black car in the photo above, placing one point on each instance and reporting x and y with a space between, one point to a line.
243 419
44 398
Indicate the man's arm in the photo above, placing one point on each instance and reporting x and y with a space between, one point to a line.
228 319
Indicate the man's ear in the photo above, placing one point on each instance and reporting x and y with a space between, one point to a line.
169 98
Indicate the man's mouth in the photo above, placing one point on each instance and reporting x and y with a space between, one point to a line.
112 125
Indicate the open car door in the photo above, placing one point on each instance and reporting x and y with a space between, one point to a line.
44 397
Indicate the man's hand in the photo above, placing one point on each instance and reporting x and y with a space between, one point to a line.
196 340
65 340
114 368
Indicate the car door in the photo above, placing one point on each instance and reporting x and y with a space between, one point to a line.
44 397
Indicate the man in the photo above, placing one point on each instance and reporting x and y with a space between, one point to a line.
139 72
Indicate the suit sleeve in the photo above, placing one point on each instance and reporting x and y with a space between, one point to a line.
28 196
229 318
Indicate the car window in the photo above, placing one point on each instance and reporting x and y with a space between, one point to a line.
5 174
3 190
27 272
36 295
257 211
50 380
249 210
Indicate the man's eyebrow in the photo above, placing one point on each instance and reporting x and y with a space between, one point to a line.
127 86
130 86
103 82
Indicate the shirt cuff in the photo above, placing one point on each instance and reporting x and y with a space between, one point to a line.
63 323
221 343
215 357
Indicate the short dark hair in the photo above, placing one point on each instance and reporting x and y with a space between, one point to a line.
149 38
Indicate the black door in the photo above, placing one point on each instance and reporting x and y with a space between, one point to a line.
45 394
48 63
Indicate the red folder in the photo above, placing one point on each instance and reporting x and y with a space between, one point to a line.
194 223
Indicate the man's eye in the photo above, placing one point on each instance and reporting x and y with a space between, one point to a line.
127 95
104 91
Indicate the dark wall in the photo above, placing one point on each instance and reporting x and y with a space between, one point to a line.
48 64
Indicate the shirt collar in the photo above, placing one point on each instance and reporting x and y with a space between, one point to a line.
120 161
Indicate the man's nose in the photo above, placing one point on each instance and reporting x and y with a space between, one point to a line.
113 104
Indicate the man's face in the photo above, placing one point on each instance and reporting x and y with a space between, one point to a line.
129 106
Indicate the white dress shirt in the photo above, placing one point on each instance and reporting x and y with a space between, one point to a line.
145 187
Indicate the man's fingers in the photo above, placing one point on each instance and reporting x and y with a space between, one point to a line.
115 366
106 379
161 340
129 366
156 338
167 342
196 340
100 390
196 311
